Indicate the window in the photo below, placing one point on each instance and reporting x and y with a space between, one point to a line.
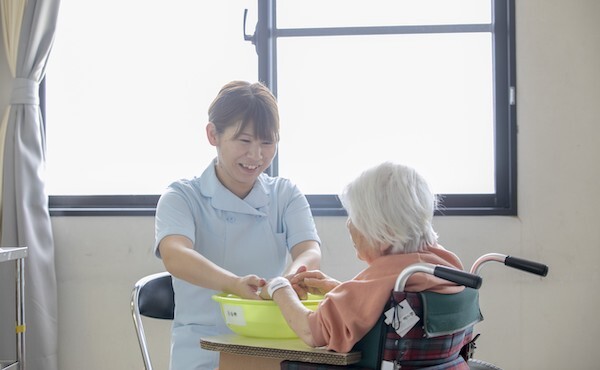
429 83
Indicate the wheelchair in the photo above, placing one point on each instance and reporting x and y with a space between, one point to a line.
427 330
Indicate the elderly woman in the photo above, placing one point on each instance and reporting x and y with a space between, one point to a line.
390 210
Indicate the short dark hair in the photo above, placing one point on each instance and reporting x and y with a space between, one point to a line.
248 103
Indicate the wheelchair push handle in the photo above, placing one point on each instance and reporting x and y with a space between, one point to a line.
457 276
527 266
514 262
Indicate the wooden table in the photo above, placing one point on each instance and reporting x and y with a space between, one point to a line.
238 352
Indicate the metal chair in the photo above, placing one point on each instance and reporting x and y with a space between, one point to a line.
153 297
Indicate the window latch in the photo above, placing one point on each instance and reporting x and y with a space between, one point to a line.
247 37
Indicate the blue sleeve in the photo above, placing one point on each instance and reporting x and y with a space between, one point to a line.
173 217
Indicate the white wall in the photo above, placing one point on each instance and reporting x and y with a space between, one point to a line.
530 322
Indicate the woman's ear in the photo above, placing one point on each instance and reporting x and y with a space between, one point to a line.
211 134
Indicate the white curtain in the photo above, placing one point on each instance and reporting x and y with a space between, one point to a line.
28 28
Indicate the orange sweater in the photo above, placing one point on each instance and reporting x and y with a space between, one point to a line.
350 310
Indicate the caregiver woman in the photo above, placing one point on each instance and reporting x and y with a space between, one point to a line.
233 227
390 210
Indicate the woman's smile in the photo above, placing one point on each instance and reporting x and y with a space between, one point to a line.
250 167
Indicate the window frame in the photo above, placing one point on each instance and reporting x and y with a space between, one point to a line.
266 33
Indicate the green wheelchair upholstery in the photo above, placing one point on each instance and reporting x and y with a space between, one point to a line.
442 316
446 324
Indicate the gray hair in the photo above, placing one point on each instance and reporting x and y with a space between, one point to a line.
392 204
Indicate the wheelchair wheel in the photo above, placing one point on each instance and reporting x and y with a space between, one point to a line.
481 365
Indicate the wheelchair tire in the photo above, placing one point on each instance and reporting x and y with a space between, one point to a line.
475 364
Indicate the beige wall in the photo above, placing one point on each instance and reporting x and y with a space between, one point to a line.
530 323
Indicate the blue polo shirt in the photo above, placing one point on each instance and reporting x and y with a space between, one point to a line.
245 236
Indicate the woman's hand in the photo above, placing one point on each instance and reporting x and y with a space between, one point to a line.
247 286
314 282
264 294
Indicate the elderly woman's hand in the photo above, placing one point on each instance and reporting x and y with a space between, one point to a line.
314 282
300 290
272 285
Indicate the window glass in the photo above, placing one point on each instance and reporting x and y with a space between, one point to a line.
349 103
128 88
355 13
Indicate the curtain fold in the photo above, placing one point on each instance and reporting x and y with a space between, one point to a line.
11 13
25 220
12 17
